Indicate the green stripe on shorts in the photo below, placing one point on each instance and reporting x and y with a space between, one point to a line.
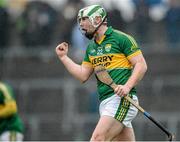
13 136
122 109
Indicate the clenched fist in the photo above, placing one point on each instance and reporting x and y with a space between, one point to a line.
62 50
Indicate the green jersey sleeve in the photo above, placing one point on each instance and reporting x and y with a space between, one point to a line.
129 46
6 93
86 57
87 60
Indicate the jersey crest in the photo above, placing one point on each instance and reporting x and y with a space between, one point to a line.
108 47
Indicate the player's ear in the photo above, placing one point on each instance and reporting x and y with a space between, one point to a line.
97 20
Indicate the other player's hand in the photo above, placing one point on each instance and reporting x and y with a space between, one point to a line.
122 90
62 50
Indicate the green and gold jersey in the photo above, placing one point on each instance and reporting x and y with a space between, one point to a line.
114 52
10 122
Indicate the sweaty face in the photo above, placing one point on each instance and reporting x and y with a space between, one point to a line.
86 27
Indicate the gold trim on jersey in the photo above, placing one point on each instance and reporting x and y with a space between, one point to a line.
134 54
87 63
133 42
101 40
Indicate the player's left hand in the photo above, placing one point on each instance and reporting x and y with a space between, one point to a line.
122 90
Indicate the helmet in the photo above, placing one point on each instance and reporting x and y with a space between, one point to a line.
92 12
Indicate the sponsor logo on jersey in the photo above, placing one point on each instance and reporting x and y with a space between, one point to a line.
105 60
111 61
99 50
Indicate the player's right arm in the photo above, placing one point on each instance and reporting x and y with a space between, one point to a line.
8 109
81 72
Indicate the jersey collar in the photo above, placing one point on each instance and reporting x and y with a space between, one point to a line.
109 31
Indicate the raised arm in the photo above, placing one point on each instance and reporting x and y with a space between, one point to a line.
7 109
81 72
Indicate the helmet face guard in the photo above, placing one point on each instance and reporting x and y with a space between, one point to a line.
92 12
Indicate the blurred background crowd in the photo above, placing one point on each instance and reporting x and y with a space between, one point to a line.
27 22
53 105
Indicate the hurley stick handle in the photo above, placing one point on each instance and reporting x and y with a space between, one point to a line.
113 86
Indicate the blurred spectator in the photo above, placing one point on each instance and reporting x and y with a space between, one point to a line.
79 43
36 25
173 23
113 15
66 22
149 17
15 8
4 24
126 9
141 20
68 29
67 19
157 9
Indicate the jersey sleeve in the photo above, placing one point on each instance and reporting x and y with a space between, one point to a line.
6 93
130 47
86 60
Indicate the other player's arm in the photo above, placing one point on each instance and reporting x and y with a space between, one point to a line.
8 105
81 72
7 109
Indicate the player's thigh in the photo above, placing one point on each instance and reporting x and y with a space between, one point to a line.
127 134
119 108
107 128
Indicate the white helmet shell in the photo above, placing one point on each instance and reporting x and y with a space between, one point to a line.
92 12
